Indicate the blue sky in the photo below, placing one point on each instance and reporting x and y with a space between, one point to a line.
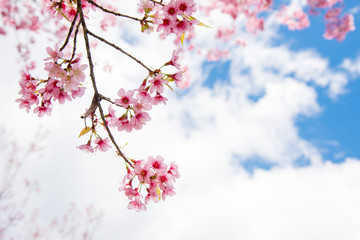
340 118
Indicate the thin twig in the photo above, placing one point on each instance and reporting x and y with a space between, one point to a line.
69 33
114 13
118 48
75 39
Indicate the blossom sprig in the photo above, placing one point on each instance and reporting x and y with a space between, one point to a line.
63 83
153 175
174 17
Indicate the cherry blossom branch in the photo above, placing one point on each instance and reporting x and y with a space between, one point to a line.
97 98
115 13
118 48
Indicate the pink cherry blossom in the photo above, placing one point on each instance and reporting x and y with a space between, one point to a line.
187 7
130 192
168 191
165 181
126 98
157 83
158 164
137 205
143 172
174 59
139 120
54 54
79 92
45 108
102 144
174 170
152 192
86 147
171 9
166 26
122 123
55 71
159 99
338 27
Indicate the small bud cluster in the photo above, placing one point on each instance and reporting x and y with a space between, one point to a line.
153 175
63 83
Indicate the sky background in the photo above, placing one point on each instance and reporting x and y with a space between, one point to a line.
266 139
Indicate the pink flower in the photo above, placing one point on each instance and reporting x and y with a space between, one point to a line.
130 192
86 147
166 25
61 95
139 120
55 71
123 123
177 77
146 5
171 9
77 72
143 105
165 181
159 99
174 170
339 27
54 54
186 7
45 108
143 94
168 191
157 83
125 98
137 205
174 59
79 92
143 172
158 164
254 24
152 193
102 144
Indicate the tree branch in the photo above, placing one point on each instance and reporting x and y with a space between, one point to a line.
97 98
118 48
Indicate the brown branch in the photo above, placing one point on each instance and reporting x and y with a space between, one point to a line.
97 98
69 33
118 48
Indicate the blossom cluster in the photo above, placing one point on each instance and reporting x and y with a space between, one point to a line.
295 20
337 27
63 83
136 106
149 93
155 176
173 17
